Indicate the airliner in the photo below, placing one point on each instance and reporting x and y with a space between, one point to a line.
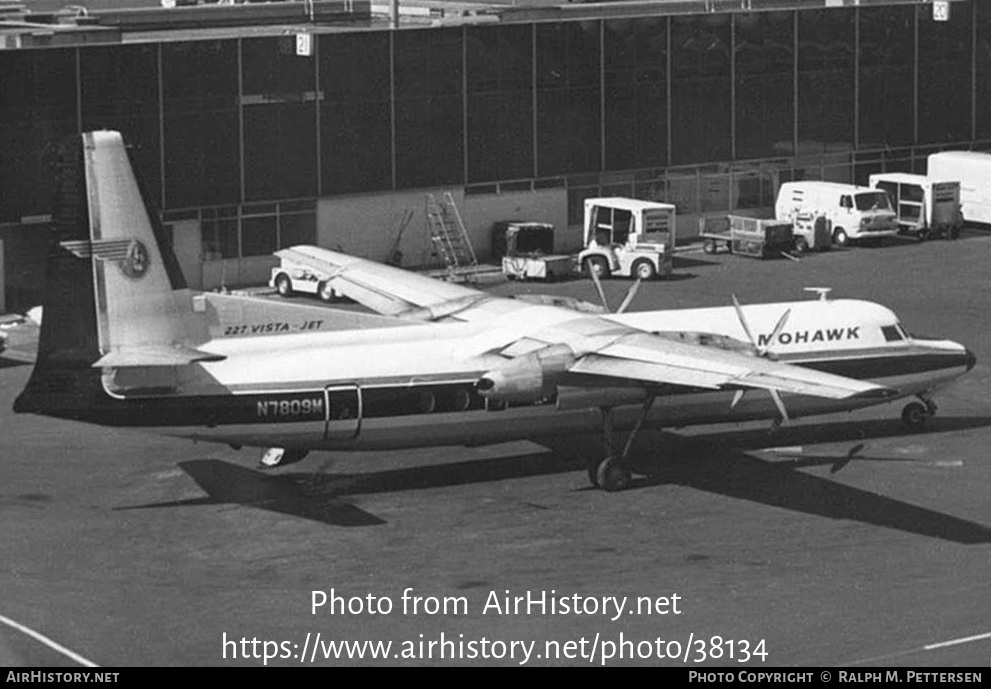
125 343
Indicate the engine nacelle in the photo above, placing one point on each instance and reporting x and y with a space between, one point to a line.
528 378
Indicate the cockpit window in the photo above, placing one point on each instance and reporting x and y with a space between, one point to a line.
892 333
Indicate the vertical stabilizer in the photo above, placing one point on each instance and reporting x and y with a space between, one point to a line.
135 304
110 294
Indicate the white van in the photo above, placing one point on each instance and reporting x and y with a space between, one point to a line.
973 171
855 212
923 207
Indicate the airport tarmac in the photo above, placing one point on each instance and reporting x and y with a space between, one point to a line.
840 540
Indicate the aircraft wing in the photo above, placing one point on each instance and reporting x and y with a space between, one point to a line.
649 359
396 292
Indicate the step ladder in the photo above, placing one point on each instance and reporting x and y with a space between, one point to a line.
449 236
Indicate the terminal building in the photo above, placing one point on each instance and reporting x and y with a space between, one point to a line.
260 126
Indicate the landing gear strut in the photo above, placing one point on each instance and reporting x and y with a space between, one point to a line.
612 473
278 456
917 416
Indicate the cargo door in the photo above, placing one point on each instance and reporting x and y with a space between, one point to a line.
945 203
911 205
343 404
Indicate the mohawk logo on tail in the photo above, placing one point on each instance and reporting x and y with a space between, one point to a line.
130 255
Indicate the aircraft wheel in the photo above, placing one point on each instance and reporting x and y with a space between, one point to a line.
916 416
283 285
613 475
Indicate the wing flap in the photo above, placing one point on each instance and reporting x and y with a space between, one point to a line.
660 374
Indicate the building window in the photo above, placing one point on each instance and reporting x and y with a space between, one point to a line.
701 89
636 68
257 230
568 98
826 55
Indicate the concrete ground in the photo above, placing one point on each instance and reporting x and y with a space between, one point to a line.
842 540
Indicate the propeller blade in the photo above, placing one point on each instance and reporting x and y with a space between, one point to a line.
598 286
737 396
743 321
632 292
776 396
774 333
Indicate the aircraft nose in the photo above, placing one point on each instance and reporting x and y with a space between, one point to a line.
970 359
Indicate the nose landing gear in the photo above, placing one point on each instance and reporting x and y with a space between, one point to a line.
917 416
279 456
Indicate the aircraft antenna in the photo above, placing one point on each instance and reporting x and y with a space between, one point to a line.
823 292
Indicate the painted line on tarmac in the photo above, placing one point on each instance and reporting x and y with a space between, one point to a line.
955 642
47 642
927 647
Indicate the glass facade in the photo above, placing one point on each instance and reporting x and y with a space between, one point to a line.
701 89
887 76
429 95
279 112
355 112
568 85
764 62
635 69
712 110
499 122
37 107
826 78
982 77
201 123
945 68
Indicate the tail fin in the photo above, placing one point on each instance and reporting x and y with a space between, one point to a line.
110 297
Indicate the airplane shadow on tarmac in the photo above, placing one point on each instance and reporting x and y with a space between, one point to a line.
716 463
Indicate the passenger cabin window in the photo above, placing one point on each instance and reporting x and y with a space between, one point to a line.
892 333
846 202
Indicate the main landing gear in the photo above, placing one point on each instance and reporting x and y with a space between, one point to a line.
613 473
278 456
917 416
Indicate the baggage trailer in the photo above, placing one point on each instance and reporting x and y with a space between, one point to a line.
527 251
754 237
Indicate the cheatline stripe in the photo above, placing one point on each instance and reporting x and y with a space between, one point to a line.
48 642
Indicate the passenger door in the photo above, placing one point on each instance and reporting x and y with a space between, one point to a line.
343 404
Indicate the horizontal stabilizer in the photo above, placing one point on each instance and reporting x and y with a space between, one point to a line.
155 355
